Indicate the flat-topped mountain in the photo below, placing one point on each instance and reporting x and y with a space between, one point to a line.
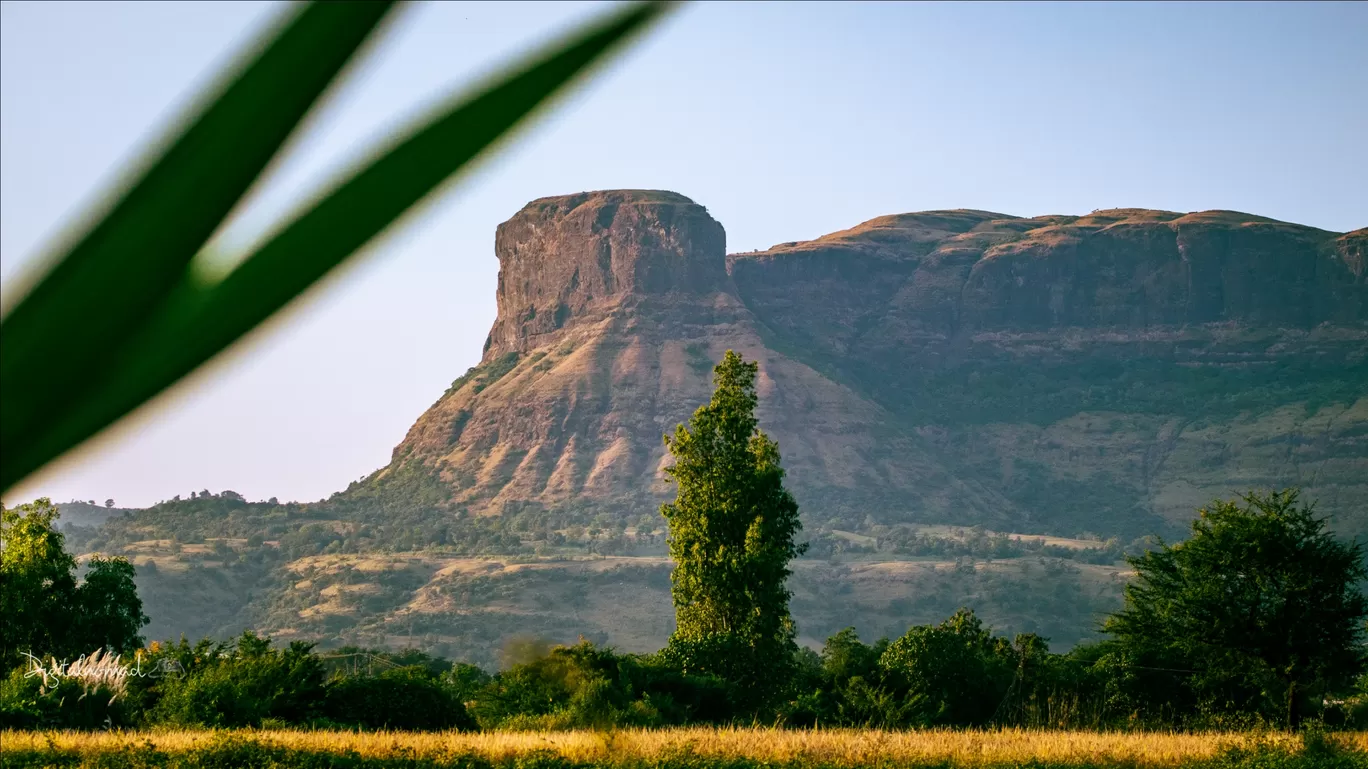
1105 373
1083 377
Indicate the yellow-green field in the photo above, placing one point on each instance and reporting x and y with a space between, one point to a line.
697 747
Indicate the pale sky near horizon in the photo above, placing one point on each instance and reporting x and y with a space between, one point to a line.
786 121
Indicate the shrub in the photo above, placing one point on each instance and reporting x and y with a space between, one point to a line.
958 666
236 684
401 698
26 702
588 686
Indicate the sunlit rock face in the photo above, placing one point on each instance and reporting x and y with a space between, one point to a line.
1105 373
571 259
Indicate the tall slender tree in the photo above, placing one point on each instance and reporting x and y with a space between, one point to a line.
732 529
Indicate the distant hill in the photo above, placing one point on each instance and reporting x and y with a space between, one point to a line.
78 513
973 409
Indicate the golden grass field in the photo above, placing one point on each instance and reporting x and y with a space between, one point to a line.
835 747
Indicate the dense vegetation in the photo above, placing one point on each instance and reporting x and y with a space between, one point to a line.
956 673
43 606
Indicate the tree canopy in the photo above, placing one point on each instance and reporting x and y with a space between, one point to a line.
1262 605
46 611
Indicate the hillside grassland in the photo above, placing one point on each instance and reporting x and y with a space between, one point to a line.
468 607
687 747
216 564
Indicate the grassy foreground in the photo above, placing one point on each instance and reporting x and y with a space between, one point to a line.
694 748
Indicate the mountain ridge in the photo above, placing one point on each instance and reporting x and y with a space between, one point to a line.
884 344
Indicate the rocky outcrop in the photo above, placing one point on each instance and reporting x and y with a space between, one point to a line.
571 259
1056 374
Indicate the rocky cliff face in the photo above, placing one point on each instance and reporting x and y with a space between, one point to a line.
1059 374
923 282
568 413
570 260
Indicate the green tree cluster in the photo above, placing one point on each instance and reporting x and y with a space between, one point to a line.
46 610
1262 606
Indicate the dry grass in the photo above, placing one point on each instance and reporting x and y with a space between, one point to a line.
848 747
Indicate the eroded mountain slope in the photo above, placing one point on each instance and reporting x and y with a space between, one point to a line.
1103 373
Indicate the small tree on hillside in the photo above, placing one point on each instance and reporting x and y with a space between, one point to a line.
732 529
1262 602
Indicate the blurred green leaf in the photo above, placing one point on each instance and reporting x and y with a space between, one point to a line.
196 322
61 339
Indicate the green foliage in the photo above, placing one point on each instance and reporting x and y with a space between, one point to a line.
248 683
408 697
465 680
960 669
1262 604
956 673
39 592
26 702
952 674
234 684
732 528
46 611
356 656
977 543
1351 709
847 686
572 685
1217 630
108 609
410 488
584 686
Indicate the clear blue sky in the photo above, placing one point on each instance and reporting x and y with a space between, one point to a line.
786 121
